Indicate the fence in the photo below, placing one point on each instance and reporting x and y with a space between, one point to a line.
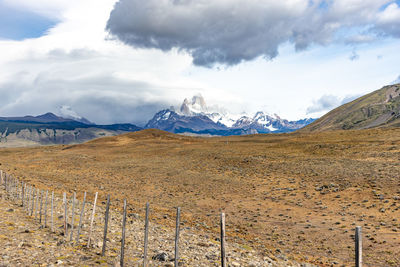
36 203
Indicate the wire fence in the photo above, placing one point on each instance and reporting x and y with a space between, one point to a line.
124 235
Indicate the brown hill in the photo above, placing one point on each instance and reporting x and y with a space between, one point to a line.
380 108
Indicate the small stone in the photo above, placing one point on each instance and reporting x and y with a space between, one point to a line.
161 256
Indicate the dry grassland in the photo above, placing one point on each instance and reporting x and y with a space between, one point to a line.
298 196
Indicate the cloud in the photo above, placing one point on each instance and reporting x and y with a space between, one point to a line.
329 102
103 99
354 56
66 79
231 31
67 112
388 21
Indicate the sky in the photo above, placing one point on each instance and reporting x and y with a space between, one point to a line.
114 61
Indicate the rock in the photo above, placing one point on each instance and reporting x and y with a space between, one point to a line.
161 256
10 210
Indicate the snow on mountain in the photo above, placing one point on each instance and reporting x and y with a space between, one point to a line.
198 106
194 116
195 107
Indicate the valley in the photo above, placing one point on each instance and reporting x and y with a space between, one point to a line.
294 196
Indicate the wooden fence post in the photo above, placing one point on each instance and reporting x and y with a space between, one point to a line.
27 199
123 235
178 214
65 214
52 211
23 193
223 257
37 203
92 219
80 219
41 207
72 217
30 200
358 246
146 234
45 208
33 200
103 251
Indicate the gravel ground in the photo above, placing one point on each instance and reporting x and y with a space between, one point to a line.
26 242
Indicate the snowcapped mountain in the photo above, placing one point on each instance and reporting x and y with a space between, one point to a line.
197 106
196 117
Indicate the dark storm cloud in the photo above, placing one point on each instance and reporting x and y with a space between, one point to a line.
232 31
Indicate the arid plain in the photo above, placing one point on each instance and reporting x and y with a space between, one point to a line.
296 195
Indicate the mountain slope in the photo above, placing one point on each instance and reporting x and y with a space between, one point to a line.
49 129
380 108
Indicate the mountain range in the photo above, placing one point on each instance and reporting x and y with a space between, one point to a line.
380 108
195 117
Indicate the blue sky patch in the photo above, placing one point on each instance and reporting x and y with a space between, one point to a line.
17 24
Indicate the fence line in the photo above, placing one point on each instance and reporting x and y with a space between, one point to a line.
29 196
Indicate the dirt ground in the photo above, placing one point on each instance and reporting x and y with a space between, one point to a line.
289 196
25 243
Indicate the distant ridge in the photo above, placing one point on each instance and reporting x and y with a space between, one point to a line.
44 118
50 129
378 109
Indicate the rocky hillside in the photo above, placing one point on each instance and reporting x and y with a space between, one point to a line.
48 129
380 108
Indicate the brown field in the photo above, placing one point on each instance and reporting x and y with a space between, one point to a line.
298 196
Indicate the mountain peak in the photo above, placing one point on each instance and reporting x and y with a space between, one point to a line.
49 116
196 106
199 102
